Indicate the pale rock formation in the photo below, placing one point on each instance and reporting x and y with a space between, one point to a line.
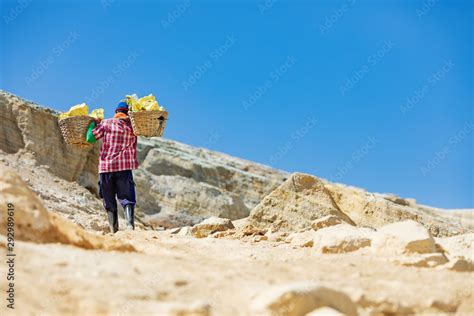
68 199
196 201
408 243
377 210
460 252
240 223
243 231
334 239
27 127
464 216
211 225
295 204
32 222
326 221
342 238
188 183
300 299
303 199
459 265
461 246
181 185
301 239
181 231
185 231
215 184
406 237
59 275
249 180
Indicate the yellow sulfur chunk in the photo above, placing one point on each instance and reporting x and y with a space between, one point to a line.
62 116
76 110
98 113
133 103
147 103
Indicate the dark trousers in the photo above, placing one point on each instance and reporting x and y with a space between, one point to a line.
118 185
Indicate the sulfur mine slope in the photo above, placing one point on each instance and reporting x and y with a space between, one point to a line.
216 235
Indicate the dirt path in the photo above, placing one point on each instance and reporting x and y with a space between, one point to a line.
172 272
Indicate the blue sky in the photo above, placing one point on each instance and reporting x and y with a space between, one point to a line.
376 94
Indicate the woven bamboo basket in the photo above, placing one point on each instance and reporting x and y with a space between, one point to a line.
148 123
74 130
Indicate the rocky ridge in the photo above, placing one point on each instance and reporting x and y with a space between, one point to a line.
178 184
292 244
181 185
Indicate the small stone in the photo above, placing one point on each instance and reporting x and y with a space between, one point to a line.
185 231
260 238
301 239
300 299
406 237
342 238
174 231
211 225
326 221
180 283
223 234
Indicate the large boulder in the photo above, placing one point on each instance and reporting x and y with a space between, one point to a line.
460 252
303 238
334 239
461 246
377 210
300 299
342 238
304 198
407 237
31 221
295 205
211 225
326 221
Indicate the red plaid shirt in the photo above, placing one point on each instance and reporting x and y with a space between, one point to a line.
119 147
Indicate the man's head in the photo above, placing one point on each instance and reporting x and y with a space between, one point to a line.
122 107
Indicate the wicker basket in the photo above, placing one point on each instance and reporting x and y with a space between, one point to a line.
74 130
148 123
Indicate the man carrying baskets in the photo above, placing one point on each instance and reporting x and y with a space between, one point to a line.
118 157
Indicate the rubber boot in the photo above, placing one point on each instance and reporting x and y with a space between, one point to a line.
130 216
122 214
113 221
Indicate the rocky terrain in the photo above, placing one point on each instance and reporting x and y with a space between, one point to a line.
178 184
217 235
